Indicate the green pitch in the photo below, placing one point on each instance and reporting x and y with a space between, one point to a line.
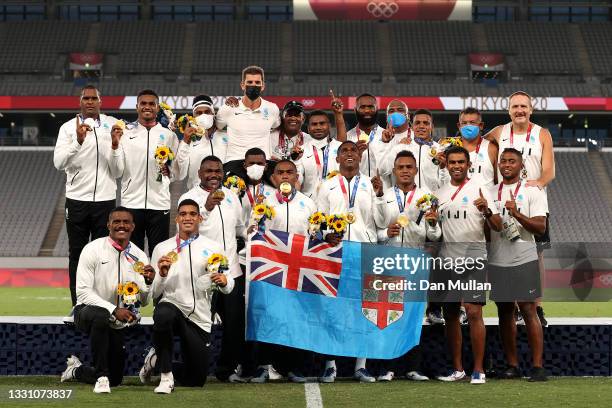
567 392
56 302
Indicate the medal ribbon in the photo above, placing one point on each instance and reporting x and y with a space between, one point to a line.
283 141
372 133
499 190
349 199
459 189
400 202
315 151
188 241
259 191
126 252
281 197
526 137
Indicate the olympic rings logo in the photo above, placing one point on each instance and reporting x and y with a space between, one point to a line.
382 9
308 102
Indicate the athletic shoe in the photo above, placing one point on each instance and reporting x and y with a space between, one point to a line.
72 363
478 378
261 375
538 374
452 376
518 318
540 313
147 368
386 377
273 374
69 320
102 386
416 376
329 375
362 375
435 317
166 385
296 377
463 316
510 373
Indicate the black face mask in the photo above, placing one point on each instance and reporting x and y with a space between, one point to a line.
253 92
366 121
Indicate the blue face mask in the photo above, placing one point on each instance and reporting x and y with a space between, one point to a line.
397 119
470 132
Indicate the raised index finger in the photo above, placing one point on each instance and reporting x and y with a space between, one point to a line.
331 93
77 121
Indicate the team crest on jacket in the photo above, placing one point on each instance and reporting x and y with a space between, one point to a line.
380 306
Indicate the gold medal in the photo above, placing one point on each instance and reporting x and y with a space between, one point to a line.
403 220
138 267
285 188
433 152
120 124
173 256
218 194
363 137
350 217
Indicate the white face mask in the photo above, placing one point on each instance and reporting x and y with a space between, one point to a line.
255 171
205 120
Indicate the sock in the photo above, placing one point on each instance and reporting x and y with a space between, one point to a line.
330 364
167 376
360 363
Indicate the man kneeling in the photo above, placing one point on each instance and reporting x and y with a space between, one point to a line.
190 268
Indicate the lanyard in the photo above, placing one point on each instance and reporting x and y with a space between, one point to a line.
478 147
126 252
459 189
400 202
188 241
283 141
349 199
372 133
421 142
315 151
512 135
499 191
260 188
282 199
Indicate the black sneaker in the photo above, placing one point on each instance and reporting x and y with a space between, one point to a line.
69 320
540 313
510 373
538 374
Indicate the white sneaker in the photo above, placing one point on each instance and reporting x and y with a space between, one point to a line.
416 376
102 386
166 385
463 319
147 368
362 375
452 376
273 374
478 378
329 375
388 376
261 375
72 363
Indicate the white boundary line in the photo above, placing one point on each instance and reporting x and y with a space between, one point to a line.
313 395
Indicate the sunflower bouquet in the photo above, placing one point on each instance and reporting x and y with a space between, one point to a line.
216 263
445 143
337 223
332 174
426 203
166 117
188 120
317 222
236 184
163 155
128 294
262 212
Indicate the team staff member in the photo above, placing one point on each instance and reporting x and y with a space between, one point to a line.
465 211
351 193
213 143
142 190
83 151
185 286
513 261
483 154
105 263
536 145
249 120
288 140
406 226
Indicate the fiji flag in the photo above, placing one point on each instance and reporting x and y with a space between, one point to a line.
341 301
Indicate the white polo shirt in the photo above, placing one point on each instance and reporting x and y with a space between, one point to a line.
247 128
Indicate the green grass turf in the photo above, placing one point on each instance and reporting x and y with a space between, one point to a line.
56 302
566 392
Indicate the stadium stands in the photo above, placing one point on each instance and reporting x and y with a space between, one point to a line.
29 198
598 41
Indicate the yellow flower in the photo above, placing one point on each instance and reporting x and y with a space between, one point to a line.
162 152
165 106
215 258
260 209
130 288
339 226
120 289
183 121
332 174
317 218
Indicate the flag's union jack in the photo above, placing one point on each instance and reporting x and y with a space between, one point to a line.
295 262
